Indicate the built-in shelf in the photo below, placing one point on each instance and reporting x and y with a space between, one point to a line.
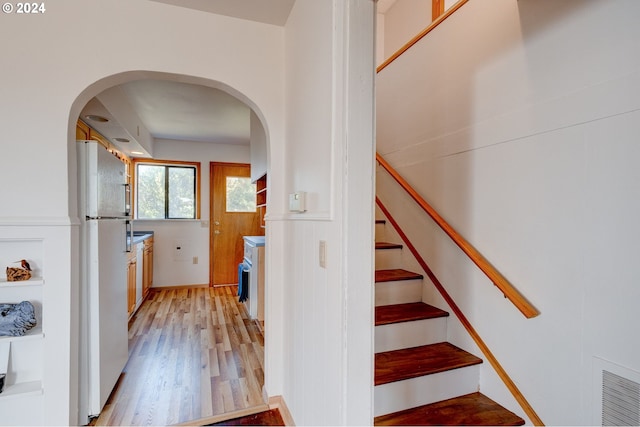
32 334
261 198
30 388
34 281
26 358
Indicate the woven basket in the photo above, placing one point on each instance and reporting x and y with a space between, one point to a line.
17 274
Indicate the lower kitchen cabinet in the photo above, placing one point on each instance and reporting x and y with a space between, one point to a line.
147 266
132 266
139 273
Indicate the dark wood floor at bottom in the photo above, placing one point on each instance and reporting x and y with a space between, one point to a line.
267 418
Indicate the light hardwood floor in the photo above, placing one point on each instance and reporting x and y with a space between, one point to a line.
193 354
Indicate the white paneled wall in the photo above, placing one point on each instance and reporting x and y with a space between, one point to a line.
54 73
518 121
328 311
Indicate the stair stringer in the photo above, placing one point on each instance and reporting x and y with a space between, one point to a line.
455 333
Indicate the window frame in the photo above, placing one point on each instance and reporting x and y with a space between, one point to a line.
166 163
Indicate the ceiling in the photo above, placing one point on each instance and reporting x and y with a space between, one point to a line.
273 12
181 111
172 110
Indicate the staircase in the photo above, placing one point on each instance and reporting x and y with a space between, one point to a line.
420 379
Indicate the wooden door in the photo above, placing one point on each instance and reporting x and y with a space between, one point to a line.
131 283
228 223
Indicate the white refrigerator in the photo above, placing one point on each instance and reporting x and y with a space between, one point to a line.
104 203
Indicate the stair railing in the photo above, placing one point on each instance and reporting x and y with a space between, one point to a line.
509 291
442 16
517 394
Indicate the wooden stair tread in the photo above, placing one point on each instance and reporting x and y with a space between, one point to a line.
397 313
406 363
387 245
381 221
396 274
473 409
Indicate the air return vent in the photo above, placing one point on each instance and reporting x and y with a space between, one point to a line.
619 394
620 401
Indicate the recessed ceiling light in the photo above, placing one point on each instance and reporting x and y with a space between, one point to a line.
124 140
137 152
96 118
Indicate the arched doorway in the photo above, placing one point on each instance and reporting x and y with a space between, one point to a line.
114 81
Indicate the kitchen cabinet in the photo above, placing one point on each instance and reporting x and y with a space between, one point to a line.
139 271
132 267
147 270
139 268
261 198
85 132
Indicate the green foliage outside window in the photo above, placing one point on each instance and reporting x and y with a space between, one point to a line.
241 194
165 192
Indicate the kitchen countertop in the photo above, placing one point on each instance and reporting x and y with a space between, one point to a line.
254 240
140 236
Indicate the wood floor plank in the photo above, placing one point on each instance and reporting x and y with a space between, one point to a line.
193 353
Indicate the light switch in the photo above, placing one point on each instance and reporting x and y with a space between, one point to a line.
323 254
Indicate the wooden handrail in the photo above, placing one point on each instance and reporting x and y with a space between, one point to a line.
423 33
509 291
524 404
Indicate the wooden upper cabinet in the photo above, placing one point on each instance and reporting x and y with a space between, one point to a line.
82 131
261 198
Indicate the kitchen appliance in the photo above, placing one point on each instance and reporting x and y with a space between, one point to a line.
253 263
104 206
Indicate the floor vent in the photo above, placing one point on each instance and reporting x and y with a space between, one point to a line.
620 400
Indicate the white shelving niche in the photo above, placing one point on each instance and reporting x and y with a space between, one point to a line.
23 391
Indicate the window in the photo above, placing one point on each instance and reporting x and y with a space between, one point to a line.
241 194
167 189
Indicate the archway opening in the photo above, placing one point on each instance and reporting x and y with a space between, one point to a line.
229 389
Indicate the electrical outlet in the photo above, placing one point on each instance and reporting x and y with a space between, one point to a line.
195 259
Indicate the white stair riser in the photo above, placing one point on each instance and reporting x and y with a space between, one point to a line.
406 394
410 334
379 232
388 258
398 292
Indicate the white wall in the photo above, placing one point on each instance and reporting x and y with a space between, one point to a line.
318 323
259 151
523 134
403 21
171 269
328 312
71 53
